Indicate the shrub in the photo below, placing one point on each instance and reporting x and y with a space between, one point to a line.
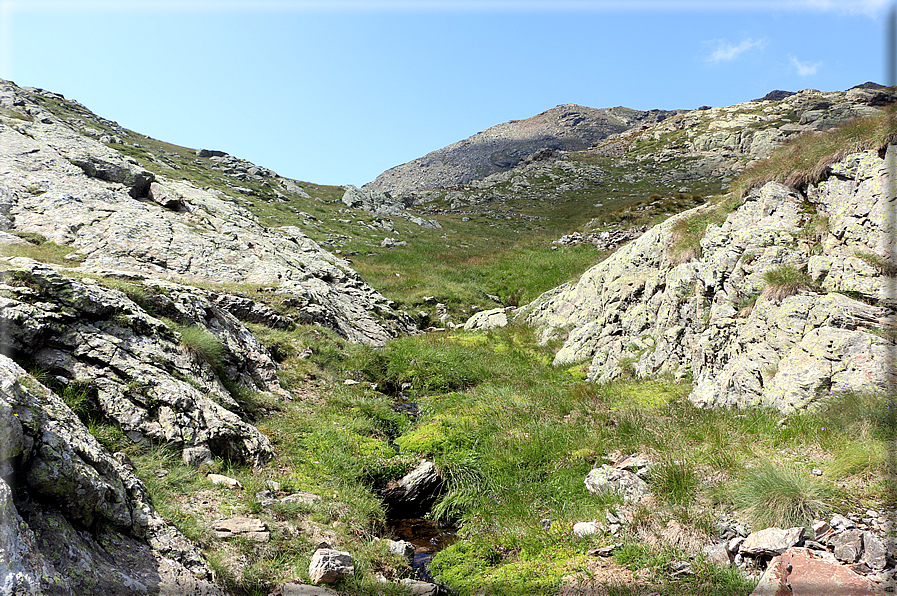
784 281
773 496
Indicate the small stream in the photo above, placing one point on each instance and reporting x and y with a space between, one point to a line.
428 538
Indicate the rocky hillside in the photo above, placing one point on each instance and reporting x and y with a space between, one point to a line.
69 179
567 127
783 302
133 269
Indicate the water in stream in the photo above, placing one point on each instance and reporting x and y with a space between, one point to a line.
428 538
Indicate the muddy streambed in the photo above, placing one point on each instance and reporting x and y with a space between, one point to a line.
428 538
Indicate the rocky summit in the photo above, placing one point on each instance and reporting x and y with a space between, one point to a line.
646 350
567 127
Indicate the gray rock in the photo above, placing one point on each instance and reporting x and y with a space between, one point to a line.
787 354
81 501
210 153
329 566
402 548
583 529
487 319
875 554
164 197
718 554
241 527
771 541
607 479
419 588
848 545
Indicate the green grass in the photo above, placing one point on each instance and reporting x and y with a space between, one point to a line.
806 158
784 497
785 280
204 344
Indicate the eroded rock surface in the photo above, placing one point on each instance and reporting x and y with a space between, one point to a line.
645 312
60 481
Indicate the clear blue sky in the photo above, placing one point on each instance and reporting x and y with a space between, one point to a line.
336 92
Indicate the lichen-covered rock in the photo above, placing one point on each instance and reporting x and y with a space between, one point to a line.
135 368
81 522
328 566
644 312
60 183
487 319
607 479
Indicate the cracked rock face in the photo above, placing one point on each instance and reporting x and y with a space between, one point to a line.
76 191
642 311
133 364
57 481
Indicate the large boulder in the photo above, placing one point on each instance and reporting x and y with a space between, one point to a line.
62 184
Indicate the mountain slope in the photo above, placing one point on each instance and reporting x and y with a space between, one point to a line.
567 127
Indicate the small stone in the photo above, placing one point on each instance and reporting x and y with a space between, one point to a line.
242 527
350 382
817 472
402 548
220 480
196 456
329 566
546 524
718 554
839 523
583 529
604 551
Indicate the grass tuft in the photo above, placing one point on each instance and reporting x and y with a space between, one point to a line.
781 497
785 281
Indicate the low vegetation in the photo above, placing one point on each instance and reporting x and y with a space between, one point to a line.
785 280
805 159
514 438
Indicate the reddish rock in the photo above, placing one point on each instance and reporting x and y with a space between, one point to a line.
798 572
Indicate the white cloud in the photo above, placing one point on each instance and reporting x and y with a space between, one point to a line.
804 69
726 51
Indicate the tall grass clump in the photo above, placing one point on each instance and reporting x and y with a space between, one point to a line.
784 281
204 344
781 497
805 159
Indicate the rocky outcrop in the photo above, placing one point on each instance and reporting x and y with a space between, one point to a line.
74 519
131 367
64 186
643 312
567 127
383 203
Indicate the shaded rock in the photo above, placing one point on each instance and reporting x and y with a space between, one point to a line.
798 572
609 479
328 566
771 541
416 491
875 554
196 456
848 545
210 153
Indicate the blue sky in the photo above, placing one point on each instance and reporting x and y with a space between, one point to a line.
335 92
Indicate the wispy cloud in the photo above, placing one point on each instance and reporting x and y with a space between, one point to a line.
804 69
726 51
